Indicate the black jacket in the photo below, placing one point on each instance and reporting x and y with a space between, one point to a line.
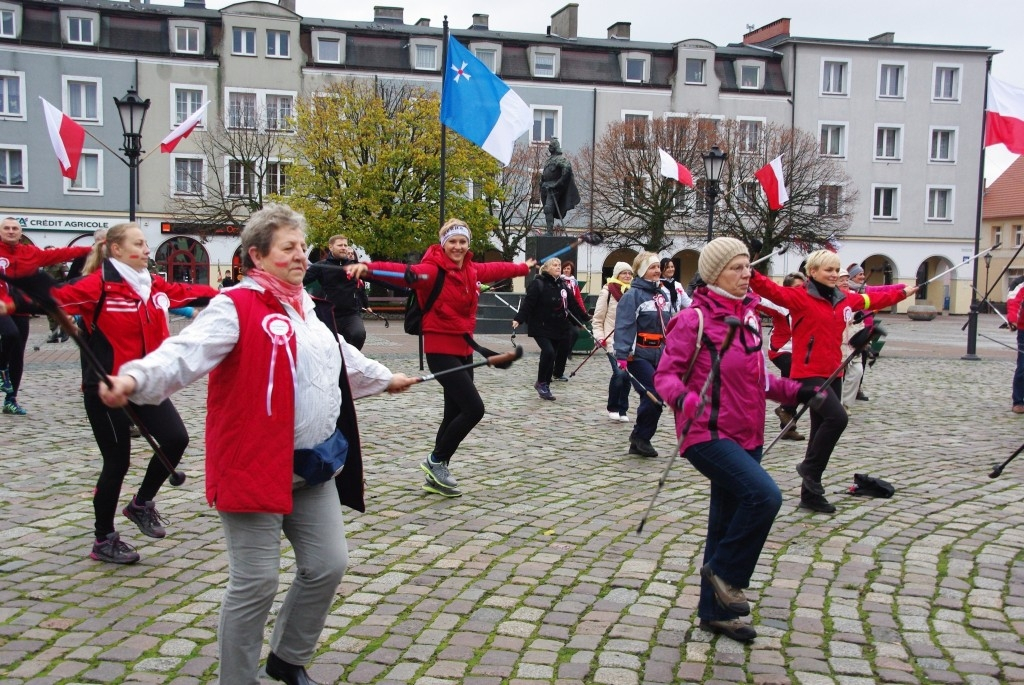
549 307
346 294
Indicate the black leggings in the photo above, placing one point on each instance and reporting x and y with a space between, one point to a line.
13 338
111 428
553 355
827 426
463 407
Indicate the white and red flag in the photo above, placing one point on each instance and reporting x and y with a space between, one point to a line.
774 183
670 168
67 137
183 130
1004 116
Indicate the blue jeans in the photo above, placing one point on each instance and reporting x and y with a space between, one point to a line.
1018 374
648 412
744 502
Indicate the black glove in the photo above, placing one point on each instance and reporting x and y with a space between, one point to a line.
813 397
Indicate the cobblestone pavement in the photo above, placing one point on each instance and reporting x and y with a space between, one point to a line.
536 575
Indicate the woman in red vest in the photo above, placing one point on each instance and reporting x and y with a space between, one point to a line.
281 390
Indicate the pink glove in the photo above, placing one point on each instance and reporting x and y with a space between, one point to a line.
688 405
622 364
603 343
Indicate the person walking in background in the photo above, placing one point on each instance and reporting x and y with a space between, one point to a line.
1015 316
678 298
780 349
565 354
58 272
858 284
448 335
548 310
640 321
77 268
725 441
125 313
18 261
604 334
346 294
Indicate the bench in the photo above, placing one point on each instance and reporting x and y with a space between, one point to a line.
387 304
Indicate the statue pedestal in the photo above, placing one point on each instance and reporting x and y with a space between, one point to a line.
922 312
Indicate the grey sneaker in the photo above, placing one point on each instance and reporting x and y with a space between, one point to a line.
439 473
112 550
438 489
731 598
147 518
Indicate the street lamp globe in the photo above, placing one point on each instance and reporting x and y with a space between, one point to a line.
132 110
714 162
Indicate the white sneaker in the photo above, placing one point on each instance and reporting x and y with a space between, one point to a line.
613 415
623 418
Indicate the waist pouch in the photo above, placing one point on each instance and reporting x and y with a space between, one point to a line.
649 339
324 461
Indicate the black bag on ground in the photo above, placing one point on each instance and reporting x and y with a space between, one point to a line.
869 486
413 311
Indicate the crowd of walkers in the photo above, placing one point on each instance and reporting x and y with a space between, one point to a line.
267 345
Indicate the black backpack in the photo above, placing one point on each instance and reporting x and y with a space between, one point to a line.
413 312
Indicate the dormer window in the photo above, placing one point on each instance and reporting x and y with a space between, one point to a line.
425 54
328 47
489 54
750 76
10 20
544 61
636 67
79 27
187 37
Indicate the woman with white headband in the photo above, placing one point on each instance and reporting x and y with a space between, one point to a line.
447 333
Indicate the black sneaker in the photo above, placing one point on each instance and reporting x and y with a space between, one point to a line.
147 518
54 337
112 550
809 483
642 447
861 396
561 378
818 504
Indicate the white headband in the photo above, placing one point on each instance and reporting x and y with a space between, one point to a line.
453 231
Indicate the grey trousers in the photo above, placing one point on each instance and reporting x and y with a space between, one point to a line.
316 531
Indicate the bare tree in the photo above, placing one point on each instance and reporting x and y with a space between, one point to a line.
514 199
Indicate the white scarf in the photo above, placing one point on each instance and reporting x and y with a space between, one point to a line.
140 281
718 291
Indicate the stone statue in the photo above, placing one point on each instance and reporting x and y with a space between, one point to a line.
557 188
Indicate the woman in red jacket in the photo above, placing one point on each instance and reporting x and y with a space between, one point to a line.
819 313
447 331
124 311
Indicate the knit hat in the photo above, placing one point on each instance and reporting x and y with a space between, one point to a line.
843 272
856 270
643 262
619 268
716 255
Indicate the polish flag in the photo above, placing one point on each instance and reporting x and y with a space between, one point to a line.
774 183
67 137
670 168
1004 117
183 130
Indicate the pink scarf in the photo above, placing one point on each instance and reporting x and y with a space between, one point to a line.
282 290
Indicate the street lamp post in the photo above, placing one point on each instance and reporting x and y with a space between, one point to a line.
714 162
132 110
988 263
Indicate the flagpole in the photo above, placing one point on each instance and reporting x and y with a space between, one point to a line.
972 320
444 129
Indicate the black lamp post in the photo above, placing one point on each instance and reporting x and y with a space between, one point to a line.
132 110
988 263
714 162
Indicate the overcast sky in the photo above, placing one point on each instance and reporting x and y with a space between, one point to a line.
993 23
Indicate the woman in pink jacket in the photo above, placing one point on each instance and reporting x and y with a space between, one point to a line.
725 440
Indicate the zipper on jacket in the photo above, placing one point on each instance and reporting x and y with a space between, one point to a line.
810 345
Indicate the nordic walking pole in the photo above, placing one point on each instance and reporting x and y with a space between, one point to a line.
591 354
768 256
957 266
369 311
734 324
505 358
998 470
640 387
590 238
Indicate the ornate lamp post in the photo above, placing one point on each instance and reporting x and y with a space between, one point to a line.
132 110
988 263
714 162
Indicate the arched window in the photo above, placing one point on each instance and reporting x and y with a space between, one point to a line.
183 260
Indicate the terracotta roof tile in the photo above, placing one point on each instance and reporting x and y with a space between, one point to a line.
1005 197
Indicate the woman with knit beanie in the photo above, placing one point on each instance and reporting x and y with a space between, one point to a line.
604 333
725 440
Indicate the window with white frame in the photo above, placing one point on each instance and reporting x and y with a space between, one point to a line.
9 22
891 80
279 112
189 175
632 190
889 143
243 41
489 57
12 168
885 203
328 50
834 76
426 57
750 135
750 76
829 197
544 64
942 147
746 192
946 83
276 177
277 43
545 125
82 97
187 100
636 69
242 110
833 139
694 73
80 30
90 174
940 204
186 39
997 235
636 129
240 178
1018 235
12 94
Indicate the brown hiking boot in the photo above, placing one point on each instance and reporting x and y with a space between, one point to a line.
729 597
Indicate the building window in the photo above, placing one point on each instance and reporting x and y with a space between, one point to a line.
632 191
328 50
888 143
80 30
186 39
833 78
90 173
82 98
242 110
8 25
1018 235
695 71
186 102
828 200
636 129
240 178
544 64
890 81
489 57
947 83
426 57
12 168
243 41
750 76
276 178
940 204
277 43
545 125
746 192
279 112
188 176
885 203
997 235
636 70
750 135
943 145
11 94
833 140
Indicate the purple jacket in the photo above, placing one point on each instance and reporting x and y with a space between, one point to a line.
736 401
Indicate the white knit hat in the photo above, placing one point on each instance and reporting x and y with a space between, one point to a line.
716 254
643 261
620 267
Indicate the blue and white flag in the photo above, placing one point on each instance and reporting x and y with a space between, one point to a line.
480 106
